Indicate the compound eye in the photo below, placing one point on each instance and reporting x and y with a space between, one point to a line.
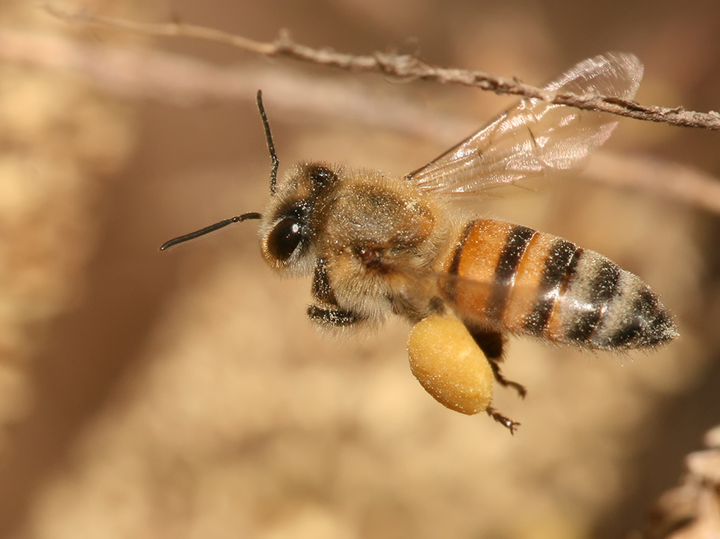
284 238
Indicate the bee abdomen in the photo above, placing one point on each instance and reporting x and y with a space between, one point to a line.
548 287
605 307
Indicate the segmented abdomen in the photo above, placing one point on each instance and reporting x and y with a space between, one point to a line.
515 278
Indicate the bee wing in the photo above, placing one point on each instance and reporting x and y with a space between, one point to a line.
535 138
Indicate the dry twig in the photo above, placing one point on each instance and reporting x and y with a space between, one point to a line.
405 66
148 74
691 510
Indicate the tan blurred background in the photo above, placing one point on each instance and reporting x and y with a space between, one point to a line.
185 394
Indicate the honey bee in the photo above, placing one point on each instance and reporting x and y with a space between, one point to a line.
378 245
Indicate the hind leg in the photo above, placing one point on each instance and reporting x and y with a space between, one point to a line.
491 343
504 421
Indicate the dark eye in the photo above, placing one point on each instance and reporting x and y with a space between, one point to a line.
284 238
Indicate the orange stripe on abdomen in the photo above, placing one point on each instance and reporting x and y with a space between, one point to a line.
512 276
486 260
523 297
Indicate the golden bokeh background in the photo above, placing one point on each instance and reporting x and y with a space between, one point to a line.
185 394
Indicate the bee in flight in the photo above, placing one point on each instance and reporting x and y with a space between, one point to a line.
377 245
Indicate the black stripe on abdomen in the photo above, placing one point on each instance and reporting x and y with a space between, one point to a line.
515 245
642 321
457 255
559 269
450 285
600 291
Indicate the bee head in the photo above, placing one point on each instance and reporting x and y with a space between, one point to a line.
294 215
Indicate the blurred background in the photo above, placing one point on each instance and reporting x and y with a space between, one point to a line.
185 394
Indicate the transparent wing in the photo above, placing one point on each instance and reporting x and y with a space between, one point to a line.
535 138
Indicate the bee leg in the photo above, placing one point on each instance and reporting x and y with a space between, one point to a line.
521 390
321 288
491 343
332 316
328 313
504 421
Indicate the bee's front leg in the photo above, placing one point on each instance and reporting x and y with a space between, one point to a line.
328 313
332 316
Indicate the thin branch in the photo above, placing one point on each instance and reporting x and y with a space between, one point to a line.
136 73
405 67
148 74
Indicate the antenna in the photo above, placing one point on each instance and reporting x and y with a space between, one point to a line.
270 145
211 228
244 216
